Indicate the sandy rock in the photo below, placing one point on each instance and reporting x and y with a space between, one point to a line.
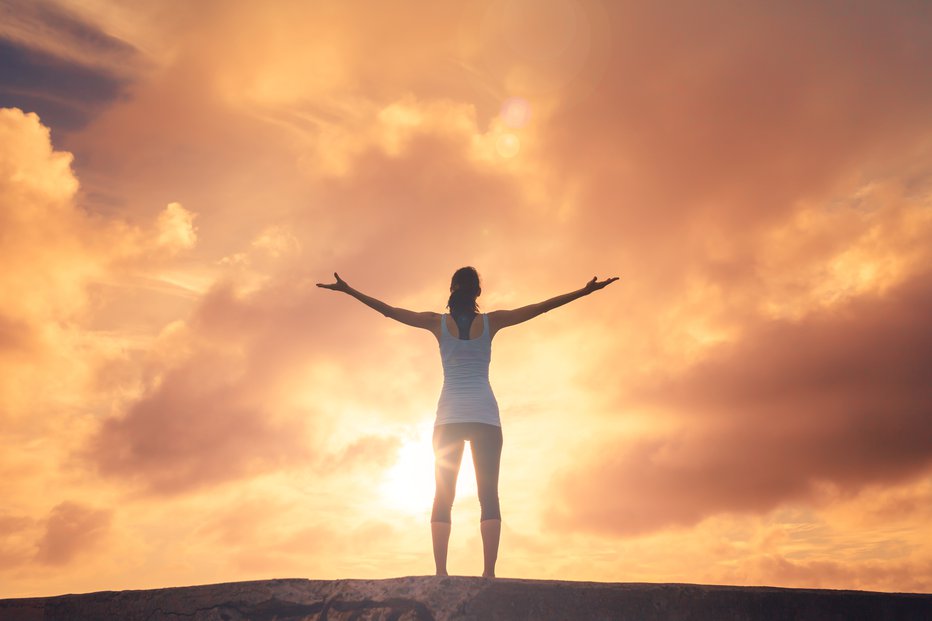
430 598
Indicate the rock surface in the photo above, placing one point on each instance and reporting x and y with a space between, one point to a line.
429 598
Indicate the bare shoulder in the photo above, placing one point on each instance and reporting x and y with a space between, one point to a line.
497 320
428 320
505 318
431 323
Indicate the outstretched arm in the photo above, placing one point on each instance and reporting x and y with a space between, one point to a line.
419 320
505 318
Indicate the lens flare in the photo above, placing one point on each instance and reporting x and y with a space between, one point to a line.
516 112
508 145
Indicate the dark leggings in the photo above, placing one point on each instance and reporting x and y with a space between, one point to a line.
485 441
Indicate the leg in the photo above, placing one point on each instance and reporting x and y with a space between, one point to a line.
440 535
448 453
486 445
491 533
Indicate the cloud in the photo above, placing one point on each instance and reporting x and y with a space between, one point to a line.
371 451
838 398
71 529
14 532
60 247
231 393
896 577
176 229
184 434
55 252
50 250
55 63
205 416
57 31
719 116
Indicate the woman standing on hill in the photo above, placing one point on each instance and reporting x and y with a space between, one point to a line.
467 409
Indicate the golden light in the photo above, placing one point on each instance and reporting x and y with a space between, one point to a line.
507 145
408 486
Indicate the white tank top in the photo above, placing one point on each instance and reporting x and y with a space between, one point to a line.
466 396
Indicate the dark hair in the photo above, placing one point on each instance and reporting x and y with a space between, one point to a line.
464 289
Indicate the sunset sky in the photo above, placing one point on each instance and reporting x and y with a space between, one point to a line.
749 404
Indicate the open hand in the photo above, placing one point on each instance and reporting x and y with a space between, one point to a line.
339 285
595 285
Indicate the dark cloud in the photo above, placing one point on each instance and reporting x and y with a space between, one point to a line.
840 397
63 68
44 24
71 528
66 95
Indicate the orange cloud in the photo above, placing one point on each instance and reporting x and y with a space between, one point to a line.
757 175
837 398
71 528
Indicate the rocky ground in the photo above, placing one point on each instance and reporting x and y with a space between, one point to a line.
429 598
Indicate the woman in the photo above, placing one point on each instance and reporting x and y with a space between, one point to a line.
467 409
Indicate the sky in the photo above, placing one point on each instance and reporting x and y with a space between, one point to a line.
749 404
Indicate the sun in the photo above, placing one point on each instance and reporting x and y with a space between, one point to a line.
408 485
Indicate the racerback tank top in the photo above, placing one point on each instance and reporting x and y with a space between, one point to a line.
466 396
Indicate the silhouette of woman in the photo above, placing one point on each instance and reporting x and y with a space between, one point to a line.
467 409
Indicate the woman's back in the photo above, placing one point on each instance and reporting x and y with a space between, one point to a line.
466 395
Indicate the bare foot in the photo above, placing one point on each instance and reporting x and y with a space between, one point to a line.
442 573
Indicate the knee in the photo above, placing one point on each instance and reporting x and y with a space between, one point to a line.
441 512
443 505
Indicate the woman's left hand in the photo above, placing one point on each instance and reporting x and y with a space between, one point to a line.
339 285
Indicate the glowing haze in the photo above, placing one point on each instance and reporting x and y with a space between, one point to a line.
749 404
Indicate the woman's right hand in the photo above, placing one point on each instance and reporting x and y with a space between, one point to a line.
595 285
339 285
